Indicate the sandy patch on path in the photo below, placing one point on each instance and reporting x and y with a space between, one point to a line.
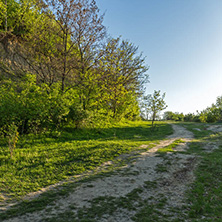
171 183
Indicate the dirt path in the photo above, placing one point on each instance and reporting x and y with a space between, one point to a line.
152 180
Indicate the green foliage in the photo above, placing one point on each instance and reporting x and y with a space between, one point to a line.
72 77
20 16
168 115
33 107
155 103
212 114
209 115
121 80
2 12
77 115
12 137
173 116
189 117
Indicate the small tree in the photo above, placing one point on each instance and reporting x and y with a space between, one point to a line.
12 136
155 103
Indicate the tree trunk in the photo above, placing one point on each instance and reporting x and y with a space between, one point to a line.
63 83
6 19
153 119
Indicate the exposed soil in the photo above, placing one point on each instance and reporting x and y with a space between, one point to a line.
156 176
215 128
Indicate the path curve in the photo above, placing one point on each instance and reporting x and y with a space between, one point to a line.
131 177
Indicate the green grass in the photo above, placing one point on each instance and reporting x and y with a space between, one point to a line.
204 132
161 168
205 194
151 211
59 156
100 206
42 160
170 148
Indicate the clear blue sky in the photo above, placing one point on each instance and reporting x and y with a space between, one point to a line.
182 40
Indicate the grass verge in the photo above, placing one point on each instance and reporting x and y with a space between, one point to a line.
205 195
42 160
170 148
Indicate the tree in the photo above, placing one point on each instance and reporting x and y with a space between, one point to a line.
80 33
219 107
123 75
189 117
155 103
168 115
15 16
213 113
60 43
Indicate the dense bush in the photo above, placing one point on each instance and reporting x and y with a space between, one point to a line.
209 115
174 116
33 107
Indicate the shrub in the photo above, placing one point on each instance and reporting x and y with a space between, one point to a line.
33 107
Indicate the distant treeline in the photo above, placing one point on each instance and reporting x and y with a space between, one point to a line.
58 65
211 114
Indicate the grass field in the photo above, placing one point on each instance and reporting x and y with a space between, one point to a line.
47 159
205 195
40 161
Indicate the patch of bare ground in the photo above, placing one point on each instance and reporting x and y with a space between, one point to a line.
215 128
151 179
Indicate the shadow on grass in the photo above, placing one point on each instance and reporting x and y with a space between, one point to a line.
40 161
69 134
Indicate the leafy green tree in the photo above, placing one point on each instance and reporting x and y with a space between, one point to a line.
41 50
188 117
3 10
123 75
15 58
80 34
16 17
178 116
219 107
168 115
155 103
73 75
213 113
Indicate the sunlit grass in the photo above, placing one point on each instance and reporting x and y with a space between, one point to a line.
205 195
170 148
40 161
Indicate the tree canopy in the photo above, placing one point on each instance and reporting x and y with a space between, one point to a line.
60 52
154 103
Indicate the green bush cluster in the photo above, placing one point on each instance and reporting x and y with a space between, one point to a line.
174 116
32 107
211 114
